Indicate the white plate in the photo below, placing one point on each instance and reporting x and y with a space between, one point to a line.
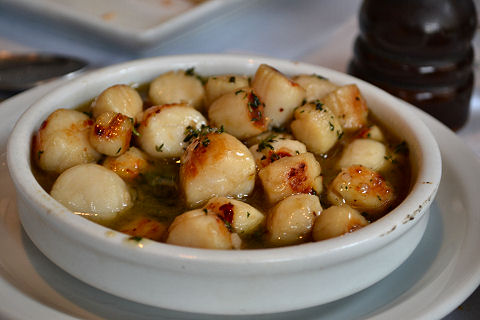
441 273
134 23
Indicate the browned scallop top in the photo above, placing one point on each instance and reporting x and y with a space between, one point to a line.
298 179
110 129
206 149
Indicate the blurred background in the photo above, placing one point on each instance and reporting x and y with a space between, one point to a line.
105 32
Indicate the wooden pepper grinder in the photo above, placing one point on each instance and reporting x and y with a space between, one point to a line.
420 51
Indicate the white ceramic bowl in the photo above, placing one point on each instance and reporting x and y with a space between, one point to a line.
222 282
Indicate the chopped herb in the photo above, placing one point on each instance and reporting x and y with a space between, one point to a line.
136 238
88 113
401 148
190 72
332 127
320 77
159 148
318 105
39 153
248 214
205 211
278 129
134 130
239 91
205 141
231 79
304 101
254 101
119 149
297 152
267 142
228 225
379 198
339 134
274 157
191 132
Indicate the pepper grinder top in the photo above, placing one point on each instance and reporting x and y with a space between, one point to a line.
420 51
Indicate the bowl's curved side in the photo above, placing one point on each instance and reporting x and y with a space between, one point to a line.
220 289
164 271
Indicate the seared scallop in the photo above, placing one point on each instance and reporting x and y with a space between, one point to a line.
145 227
317 127
241 217
162 129
216 164
349 107
273 148
366 152
316 87
216 86
199 229
119 98
62 141
280 94
128 165
336 221
177 87
291 220
363 189
92 191
240 113
111 133
291 175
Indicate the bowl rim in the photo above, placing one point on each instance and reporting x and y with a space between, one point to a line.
389 227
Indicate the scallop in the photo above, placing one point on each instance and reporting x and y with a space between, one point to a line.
216 164
280 94
273 148
349 106
162 129
291 220
177 87
363 189
366 152
119 98
240 113
128 165
336 221
62 141
371 132
199 229
241 217
145 227
291 175
317 127
92 191
111 133
316 87
217 86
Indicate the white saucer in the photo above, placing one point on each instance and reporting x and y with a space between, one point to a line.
441 273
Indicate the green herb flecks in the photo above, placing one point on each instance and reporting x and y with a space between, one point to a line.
267 142
401 148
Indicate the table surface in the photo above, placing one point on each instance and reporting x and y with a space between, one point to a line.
315 31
